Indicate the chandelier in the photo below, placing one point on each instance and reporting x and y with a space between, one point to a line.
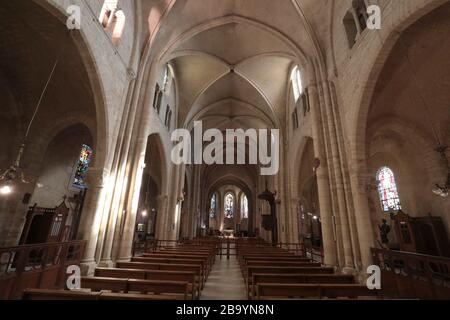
443 190
15 173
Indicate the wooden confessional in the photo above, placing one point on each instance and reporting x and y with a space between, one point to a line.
425 235
45 225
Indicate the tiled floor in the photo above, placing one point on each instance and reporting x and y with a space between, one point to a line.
225 281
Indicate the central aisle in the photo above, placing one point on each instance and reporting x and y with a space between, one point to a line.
225 281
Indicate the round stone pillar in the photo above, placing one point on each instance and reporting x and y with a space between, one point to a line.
91 216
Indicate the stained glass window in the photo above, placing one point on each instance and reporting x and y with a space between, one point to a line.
213 206
244 207
387 189
82 167
229 206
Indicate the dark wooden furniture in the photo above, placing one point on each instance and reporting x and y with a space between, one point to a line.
298 279
44 225
116 285
413 276
37 266
46 294
270 291
425 235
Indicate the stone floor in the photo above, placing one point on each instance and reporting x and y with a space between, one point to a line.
225 281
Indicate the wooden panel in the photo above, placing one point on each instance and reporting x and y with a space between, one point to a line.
101 283
6 286
120 273
49 278
45 294
26 281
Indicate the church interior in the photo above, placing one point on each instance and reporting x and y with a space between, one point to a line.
94 207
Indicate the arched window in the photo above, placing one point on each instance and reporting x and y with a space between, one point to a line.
167 78
119 26
111 17
229 206
387 189
297 86
244 207
82 167
213 206
157 98
107 13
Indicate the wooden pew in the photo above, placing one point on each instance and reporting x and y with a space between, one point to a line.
283 270
275 263
271 255
196 269
203 265
46 294
262 257
185 276
161 266
178 250
138 297
298 279
203 257
271 291
97 284
157 287
120 273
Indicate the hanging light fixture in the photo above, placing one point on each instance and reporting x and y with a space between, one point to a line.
443 190
12 174
15 173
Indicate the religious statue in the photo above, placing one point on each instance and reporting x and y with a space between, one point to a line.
384 231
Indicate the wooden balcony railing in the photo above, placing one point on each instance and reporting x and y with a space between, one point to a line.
37 266
413 276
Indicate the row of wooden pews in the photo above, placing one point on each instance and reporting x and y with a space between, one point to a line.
176 272
272 273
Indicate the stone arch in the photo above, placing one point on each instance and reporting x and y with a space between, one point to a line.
57 164
47 25
155 161
301 148
81 42
363 102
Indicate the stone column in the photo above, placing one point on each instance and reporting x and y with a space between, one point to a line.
336 164
161 221
92 215
344 169
363 221
293 222
326 211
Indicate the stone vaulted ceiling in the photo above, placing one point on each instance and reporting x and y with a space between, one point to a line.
232 59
